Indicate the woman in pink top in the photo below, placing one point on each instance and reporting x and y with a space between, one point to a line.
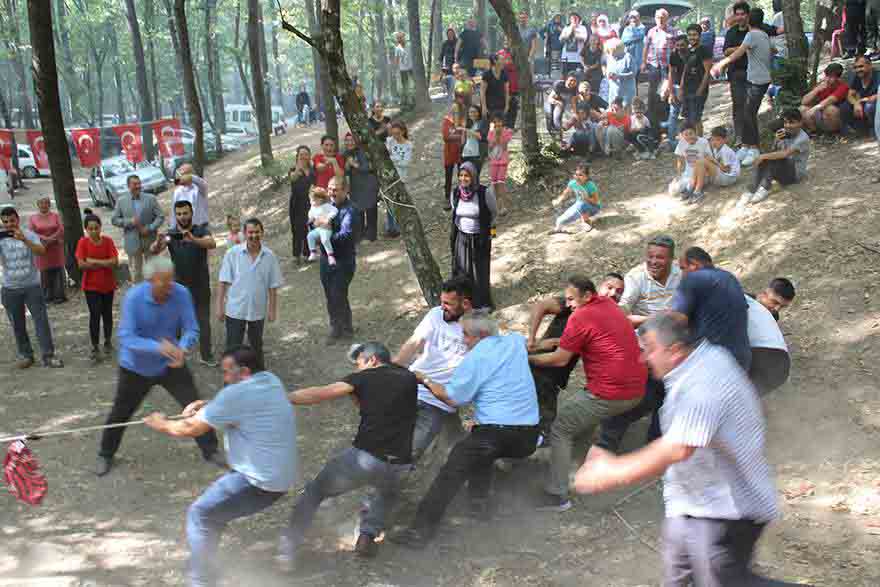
498 138
47 225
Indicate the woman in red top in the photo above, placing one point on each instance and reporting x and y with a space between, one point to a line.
329 163
453 123
48 226
96 256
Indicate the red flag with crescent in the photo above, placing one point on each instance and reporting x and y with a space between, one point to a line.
6 150
132 145
38 148
168 137
88 146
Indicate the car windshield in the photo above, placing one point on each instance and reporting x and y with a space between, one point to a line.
117 167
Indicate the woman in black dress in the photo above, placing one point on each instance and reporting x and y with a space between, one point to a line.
302 178
363 188
473 215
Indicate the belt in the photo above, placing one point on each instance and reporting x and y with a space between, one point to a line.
507 427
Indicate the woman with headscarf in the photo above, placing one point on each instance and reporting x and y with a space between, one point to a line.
363 188
473 215
621 73
633 37
302 178
48 226
604 30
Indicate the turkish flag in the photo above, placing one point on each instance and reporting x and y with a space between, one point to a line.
130 135
168 137
6 149
88 146
38 148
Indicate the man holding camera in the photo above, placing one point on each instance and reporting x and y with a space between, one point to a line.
193 189
188 246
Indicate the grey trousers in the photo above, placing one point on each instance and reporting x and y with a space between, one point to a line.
349 470
15 301
707 552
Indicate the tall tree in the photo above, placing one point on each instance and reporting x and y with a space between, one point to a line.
264 62
72 81
329 44
117 74
264 122
482 18
143 83
423 102
215 80
45 79
17 56
381 46
190 90
323 91
175 45
99 52
239 56
276 60
531 146
392 28
150 32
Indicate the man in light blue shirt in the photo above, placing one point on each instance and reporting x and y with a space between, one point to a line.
151 353
495 377
249 280
260 438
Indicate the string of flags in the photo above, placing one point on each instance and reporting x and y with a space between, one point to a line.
87 143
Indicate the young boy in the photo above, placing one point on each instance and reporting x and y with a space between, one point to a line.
787 164
583 138
640 133
722 167
690 153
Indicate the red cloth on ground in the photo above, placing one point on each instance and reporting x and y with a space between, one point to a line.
21 473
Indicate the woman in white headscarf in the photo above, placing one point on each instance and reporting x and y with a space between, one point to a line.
621 73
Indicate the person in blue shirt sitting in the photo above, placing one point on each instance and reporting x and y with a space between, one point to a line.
158 327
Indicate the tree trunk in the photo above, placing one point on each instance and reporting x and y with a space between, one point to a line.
98 58
433 39
264 62
422 261
90 91
792 75
795 40
323 92
276 60
392 71
46 82
143 84
239 61
72 81
15 47
822 26
529 131
423 101
149 21
117 75
482 18
264 123
381 48
178 62
215 82
189 87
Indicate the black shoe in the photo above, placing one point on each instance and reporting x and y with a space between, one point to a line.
216 458
415 538
103 466
95 356
366 546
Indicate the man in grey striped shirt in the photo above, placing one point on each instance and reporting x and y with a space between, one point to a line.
718 491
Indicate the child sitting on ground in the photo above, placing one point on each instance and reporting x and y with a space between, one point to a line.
235 236
586 204
722 165
610 132
787 164
640 134
689 164
321 211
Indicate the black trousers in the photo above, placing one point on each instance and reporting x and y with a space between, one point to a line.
471 460
754 97
769 369
100 309
548 399
299 220
336 280
447 183
854 32
782 170
235 330
54 284
512 112
613 429
368 227
738 95
202 303
656 107
132 388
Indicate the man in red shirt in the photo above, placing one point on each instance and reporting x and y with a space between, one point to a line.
600 333
506 57
820 108
328 163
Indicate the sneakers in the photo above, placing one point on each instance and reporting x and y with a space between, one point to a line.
760 195
95 356
744 200
553 503
366 546
313 256
331 259
587 227
108 348
696 198
24 363
53 362
103 466
685 192
750 157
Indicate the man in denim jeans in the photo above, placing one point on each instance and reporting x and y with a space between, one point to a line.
21 288
381 451
260 433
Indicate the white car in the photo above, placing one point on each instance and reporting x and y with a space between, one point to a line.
28 164
237 135
110 181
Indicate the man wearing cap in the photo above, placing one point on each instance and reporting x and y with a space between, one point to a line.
386 396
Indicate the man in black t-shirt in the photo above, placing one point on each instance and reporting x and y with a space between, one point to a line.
673 90
469 47
695 78
188 246
381 453
495 93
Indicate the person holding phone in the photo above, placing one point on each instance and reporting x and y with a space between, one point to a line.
787 164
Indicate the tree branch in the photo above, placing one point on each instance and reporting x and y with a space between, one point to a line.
292 29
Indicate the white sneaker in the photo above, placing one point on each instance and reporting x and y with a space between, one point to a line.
760 195
744 200
750 157
674 187
741 153
313 256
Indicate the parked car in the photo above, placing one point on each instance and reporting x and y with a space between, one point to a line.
28 164
110 181
238 134
279 124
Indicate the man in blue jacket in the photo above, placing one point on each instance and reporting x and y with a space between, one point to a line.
337 278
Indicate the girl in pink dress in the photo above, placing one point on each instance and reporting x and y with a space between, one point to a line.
498 138
47 225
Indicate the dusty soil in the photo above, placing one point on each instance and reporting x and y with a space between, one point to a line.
126 529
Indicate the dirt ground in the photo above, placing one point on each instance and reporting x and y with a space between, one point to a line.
823 426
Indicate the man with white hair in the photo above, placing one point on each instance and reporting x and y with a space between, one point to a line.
494 377
151 352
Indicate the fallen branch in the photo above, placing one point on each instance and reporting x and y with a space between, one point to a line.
867 248
634 531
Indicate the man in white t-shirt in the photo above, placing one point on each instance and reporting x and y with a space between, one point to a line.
771 362
193 189
439 343
403 60
690 153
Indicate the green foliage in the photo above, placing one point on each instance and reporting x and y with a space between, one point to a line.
791 77
279 169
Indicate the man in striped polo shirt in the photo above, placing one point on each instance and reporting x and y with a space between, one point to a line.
717 487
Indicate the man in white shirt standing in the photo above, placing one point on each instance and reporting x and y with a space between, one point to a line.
440 341
248 290
648 289
193 189
403 60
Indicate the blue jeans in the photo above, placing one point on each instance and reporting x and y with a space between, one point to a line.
229 497
351 469
672 121
429 423
575 211
15 301
583 141
391 226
